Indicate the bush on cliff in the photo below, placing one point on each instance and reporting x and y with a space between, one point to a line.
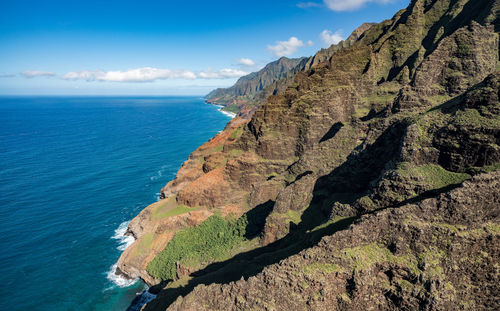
209 241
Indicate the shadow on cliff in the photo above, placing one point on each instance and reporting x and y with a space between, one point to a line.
256 218
247 264
334 193
345 184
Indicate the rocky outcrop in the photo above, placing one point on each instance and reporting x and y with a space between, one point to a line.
157 224
439 254
153 228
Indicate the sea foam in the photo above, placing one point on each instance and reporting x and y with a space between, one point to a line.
124 241
227 113
119 280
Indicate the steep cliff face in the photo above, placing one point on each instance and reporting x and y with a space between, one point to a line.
439 254
247 87
384 132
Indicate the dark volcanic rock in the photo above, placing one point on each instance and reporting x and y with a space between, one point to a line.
439 254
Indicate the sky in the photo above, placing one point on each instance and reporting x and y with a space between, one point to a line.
146 47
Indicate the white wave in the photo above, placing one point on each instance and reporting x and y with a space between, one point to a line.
159 173
227 113
124 241
119 280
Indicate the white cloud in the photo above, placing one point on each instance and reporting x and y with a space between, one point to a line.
305 5
349 5
310 43
246 62
37 73
221 74
285 48
83 75
330 38
150 74
146 74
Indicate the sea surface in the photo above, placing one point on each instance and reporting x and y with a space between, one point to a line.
73 172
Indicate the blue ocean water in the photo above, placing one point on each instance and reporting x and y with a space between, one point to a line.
72 170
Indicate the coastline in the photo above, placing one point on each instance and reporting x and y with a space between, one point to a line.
232 115
126 237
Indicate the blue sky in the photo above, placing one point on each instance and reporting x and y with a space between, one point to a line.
163 47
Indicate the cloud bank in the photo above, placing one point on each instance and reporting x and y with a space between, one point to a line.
350 5
330 38
246 62
285 48
150 74
37 73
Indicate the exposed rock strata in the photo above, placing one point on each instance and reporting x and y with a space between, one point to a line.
439 254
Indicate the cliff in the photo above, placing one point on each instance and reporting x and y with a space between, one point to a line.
251 91
243 92
368 178
437 254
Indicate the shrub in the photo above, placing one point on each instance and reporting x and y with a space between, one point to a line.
209 241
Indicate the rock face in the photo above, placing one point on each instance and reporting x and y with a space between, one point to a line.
247 87
439 254
376 166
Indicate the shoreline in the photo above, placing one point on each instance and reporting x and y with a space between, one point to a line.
227 113
125 238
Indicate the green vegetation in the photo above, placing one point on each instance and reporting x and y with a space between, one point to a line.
361 112
366 201
404 284
181 209
464 45
236 153
363 257
293 216
209 241
434 175
170 208
144 244
474 118
431 260
232 108
237 133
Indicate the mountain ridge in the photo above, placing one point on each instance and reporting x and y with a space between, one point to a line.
247 86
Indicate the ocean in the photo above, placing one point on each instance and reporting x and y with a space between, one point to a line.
73 172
